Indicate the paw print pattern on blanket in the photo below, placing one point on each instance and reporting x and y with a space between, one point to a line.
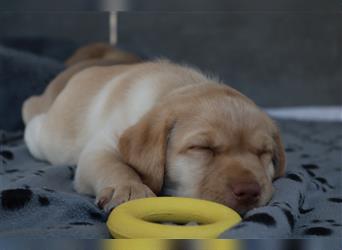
38 199
307 202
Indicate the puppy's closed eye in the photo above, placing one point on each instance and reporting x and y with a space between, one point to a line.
201 149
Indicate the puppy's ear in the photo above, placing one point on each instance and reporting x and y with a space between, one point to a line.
278 159
143 146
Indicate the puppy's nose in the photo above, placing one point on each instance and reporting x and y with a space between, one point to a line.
246 192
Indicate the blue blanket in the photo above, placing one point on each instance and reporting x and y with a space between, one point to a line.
37 199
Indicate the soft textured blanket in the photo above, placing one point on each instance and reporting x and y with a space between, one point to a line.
37 199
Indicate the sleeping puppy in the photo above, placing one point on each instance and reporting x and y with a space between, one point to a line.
132 129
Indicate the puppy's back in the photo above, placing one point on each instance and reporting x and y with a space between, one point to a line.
108 100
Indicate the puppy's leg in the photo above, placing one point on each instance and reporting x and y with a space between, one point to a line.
101 173
43 145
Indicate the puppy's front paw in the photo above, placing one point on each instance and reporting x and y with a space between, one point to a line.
111 197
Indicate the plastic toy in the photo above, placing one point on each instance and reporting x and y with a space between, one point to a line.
139 219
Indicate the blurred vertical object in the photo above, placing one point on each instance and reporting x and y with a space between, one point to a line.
113 31
113 5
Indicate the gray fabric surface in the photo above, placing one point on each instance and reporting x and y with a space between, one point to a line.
37 199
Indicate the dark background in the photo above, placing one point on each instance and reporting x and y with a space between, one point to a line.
280 53
277 58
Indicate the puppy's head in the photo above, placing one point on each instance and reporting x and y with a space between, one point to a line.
209 141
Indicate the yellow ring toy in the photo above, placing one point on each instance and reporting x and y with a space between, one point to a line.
137 219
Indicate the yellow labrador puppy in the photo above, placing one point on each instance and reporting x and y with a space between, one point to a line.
132 129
